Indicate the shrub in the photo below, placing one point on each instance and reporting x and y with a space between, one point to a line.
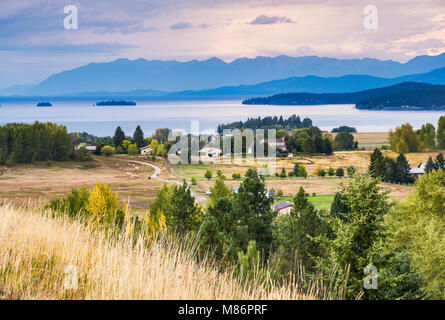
340 172
331 171
208 175
193 181
302 171
283 173
351 171
133 149
100 205
107 151
236 175
82 155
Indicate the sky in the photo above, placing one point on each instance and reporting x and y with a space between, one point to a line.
34 43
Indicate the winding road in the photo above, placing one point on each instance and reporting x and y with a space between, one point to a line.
154 176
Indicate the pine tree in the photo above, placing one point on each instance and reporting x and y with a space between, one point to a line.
377 165
430 165
138 137
340 207
182 215
253 209
440 161
301 201
119 137
402 168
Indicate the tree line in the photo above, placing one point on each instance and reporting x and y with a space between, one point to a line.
293 122
26 143
405 139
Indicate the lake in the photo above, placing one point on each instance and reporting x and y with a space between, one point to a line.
102 121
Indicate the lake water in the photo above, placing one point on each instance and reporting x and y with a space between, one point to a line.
82 116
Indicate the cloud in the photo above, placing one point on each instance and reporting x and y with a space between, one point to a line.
181 25
125 29
263 19
432 43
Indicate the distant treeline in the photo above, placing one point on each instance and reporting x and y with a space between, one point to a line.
25 143
422 99
413 94
293 122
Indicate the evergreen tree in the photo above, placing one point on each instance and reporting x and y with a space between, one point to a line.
182 215
295 170
327 146
344 141
309 146
119 137
221 232
430 165
138 137
377 165
340 207
440 161
294 238
301 201
359 242
402 168
253 209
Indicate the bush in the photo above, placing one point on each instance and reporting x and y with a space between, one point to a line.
99 205
283 173
351 171
107 151
302 171
331 171
119 150
340 172
193 181
290 174
133 149
236 175
82 155
208 175
321 173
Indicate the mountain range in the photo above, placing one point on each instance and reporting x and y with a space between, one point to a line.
241 77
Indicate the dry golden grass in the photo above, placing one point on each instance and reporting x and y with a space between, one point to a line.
43 182
35 251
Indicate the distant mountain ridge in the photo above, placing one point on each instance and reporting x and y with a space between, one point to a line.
406 95
123 75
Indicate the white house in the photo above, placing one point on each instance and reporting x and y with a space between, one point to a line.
145 150
420 170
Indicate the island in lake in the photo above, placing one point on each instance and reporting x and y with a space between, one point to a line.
402 96
116 103
44 104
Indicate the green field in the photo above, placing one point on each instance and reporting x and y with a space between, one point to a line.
319 202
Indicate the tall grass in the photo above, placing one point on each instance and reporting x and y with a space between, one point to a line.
38 253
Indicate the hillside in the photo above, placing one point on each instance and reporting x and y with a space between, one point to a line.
37 250
127 75
421 90
425 99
